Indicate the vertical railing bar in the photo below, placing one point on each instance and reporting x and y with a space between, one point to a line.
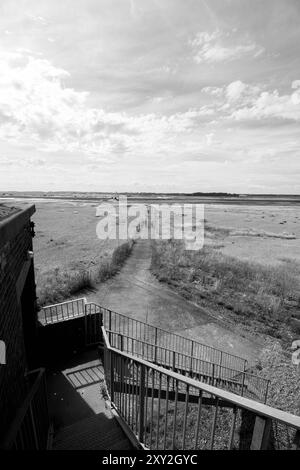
232 430
111 363
133 395
146 403
158 411
212 436
130 393
123 385
186 410
166 412
152 408
136 397
109 320
175 415
142 403
198 419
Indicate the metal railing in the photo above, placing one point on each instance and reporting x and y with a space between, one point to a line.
119 323
63 311
240 382
166 410
206 363
30 428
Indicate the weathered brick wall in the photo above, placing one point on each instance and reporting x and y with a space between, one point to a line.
13 255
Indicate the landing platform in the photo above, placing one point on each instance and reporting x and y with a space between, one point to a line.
81 416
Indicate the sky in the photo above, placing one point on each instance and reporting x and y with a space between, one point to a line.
150 95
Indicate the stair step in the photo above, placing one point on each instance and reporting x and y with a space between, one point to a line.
99 432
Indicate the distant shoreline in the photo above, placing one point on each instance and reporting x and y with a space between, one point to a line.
260 200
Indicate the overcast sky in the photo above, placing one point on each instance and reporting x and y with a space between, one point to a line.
150 95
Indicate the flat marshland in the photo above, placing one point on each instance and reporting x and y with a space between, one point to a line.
68 255
247 274
249 267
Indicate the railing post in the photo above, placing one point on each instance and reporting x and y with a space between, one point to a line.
243 383
192 355
85 325
155 342
221 358
142 403
109 320
111 376
121 342
213 373
266 392
261 433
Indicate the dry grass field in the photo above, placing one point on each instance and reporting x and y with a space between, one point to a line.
248 272
266 234
68 255
249 268
250 264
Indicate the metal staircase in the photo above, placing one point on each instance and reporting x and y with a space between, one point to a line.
171 392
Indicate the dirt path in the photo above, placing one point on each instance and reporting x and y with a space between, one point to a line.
137 293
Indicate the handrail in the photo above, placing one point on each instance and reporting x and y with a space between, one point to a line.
180 337
26 408
56 313
65 302
251 405
219 372
237 371
266 417
225 358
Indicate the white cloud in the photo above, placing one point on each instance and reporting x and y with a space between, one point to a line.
235 89
295 84
37 106
215 47
241 101
271 105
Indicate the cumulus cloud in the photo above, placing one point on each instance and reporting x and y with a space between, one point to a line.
235 89
271 105
240 101
37 106
220 47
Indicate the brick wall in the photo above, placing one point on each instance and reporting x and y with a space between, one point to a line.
13 257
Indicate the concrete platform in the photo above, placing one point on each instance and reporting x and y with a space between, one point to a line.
80 414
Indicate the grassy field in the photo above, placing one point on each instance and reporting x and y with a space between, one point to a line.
68 255
263 297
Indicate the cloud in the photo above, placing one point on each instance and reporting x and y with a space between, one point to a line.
235 89
239 101
269 105
220 47
38 107
295 84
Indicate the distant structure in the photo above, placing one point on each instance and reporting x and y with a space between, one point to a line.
17 310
